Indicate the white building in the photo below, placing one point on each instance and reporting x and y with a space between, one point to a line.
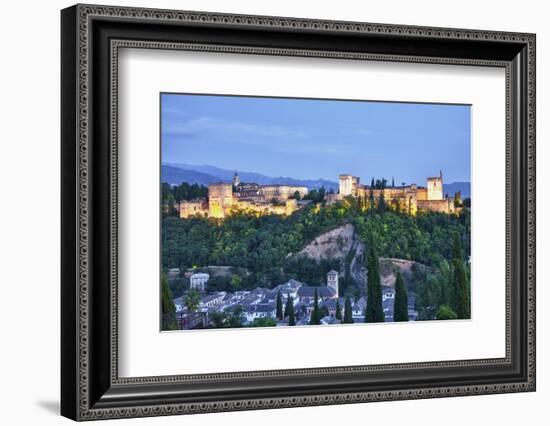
348 185
212 300
332 282
199 280
358 311
388 294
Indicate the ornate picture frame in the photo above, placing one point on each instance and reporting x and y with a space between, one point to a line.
90 39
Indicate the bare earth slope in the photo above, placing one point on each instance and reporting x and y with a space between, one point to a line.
344 244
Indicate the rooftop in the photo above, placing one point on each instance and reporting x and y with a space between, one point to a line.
200 275
307 291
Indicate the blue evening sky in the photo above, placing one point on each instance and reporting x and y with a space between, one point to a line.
310 139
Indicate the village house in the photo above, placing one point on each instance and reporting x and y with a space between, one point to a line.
198 281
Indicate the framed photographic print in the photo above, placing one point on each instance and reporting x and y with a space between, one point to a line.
263 212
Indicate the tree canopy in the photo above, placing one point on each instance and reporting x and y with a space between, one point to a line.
265 246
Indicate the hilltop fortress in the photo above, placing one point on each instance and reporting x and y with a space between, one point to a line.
408 198
223 198
251 197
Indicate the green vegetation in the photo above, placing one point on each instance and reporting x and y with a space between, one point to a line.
461 287
231 318
261 250
192 300
444 293
400 305
168 308
183 191
280 314
445 313
174 194
348 314
315 314
261 245
374 311
317 196
289 311
178 286
338 315
308 270
263 322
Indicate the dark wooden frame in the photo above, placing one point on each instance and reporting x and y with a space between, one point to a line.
90 386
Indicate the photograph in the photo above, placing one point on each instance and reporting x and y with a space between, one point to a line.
295 212
266 209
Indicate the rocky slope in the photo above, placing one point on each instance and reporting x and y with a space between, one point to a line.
344 244
390 266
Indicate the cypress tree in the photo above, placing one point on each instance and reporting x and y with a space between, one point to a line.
315 315
371 199
400 308
289 311
381 201
338 310
374 311
460 289
168 307
280 314
392 182
348 315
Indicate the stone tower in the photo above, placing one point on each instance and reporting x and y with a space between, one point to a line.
332 282
236 180
220 199
348 185
435 187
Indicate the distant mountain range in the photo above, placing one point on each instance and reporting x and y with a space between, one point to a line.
454 187
175 174
204 174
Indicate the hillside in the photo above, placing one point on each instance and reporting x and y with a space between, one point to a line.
344 244
390 266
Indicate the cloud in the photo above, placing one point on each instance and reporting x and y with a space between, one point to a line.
276 139
209 127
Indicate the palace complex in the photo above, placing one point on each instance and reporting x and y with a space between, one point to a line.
252 197
285 199
409 198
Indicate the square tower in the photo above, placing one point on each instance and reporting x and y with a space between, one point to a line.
332 282
220 198
348 185
434 187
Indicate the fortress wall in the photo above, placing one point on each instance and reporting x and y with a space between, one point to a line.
421 194
192 208
442 206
